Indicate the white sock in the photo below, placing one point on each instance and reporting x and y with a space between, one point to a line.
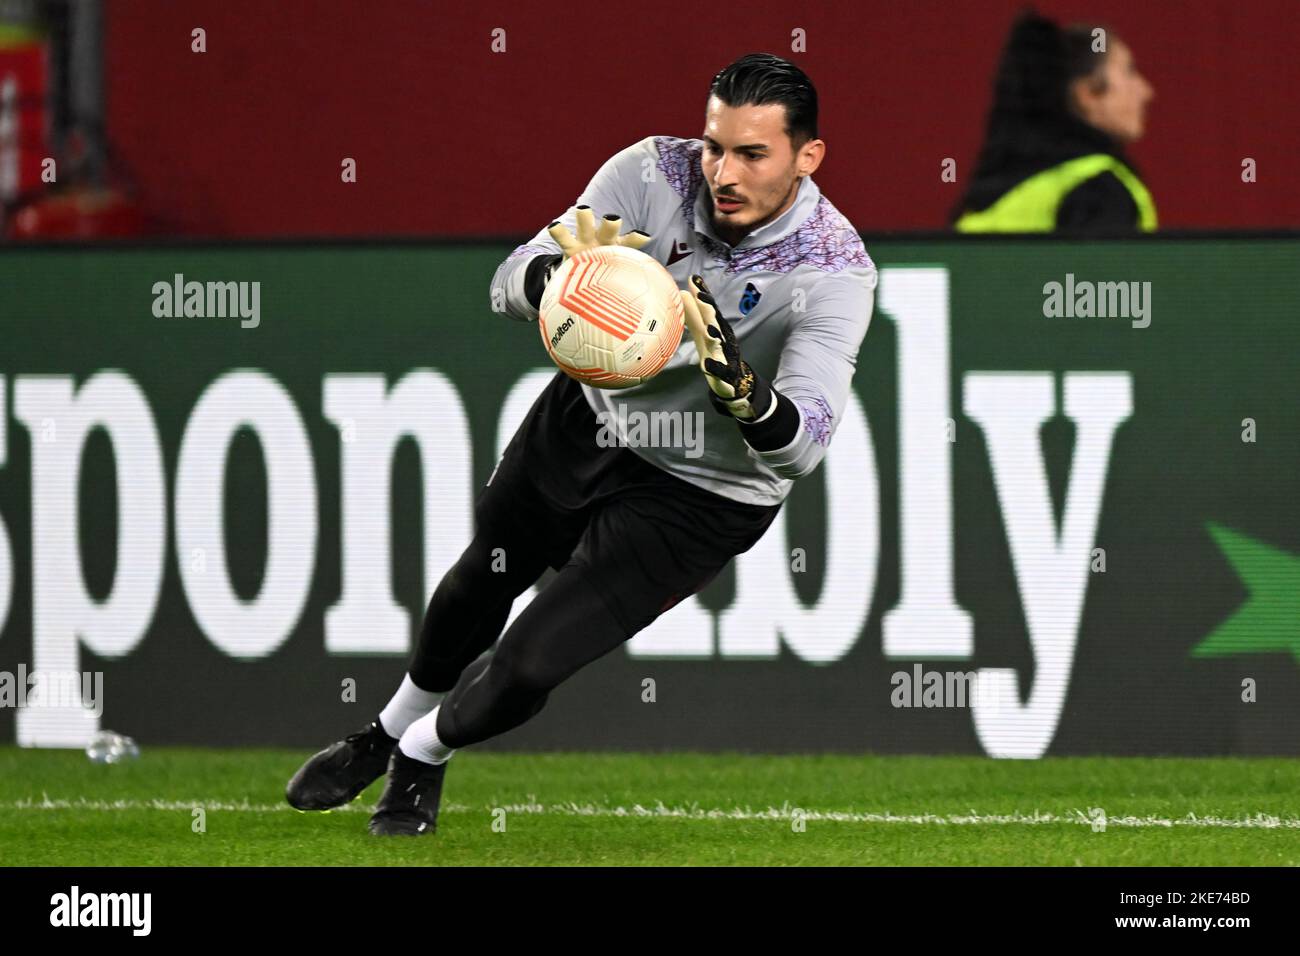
408 705
420 742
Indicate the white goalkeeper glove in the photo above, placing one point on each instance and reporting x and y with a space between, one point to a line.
590 235
541 268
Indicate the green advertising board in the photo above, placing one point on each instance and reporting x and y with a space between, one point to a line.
1058 517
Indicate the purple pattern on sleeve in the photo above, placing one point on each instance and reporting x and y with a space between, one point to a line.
826 240
817 418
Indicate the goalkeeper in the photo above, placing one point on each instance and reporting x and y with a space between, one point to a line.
778 297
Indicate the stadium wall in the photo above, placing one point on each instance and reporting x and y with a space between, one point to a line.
458 129
1096 516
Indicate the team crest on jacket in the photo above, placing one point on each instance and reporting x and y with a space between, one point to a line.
749 298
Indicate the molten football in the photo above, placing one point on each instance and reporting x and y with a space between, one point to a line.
611 317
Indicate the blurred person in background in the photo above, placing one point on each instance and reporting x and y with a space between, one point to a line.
1066 102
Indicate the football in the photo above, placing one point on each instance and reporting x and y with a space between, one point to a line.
611 317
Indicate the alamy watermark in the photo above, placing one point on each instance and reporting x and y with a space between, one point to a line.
922 688
74 908
1101 300
53 689
638 429
208 300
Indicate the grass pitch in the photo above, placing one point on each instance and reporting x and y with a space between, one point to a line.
58 809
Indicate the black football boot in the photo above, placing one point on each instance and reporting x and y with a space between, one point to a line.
337 775
409 805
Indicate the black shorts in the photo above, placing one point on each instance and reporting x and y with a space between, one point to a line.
647 538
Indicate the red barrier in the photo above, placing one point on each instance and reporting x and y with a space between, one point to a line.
452 138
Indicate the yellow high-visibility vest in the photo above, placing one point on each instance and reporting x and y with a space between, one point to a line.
1031 205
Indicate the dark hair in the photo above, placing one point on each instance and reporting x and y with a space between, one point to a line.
1039 63
1031 115
757 79
1080 58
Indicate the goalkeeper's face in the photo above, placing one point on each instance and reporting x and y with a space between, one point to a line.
751 166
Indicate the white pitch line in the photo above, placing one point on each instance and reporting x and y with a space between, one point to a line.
1255 821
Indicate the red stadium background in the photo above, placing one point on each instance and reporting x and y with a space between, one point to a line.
451 138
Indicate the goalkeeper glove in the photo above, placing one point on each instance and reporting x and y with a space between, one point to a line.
768 420
735 388
541 268
590 236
